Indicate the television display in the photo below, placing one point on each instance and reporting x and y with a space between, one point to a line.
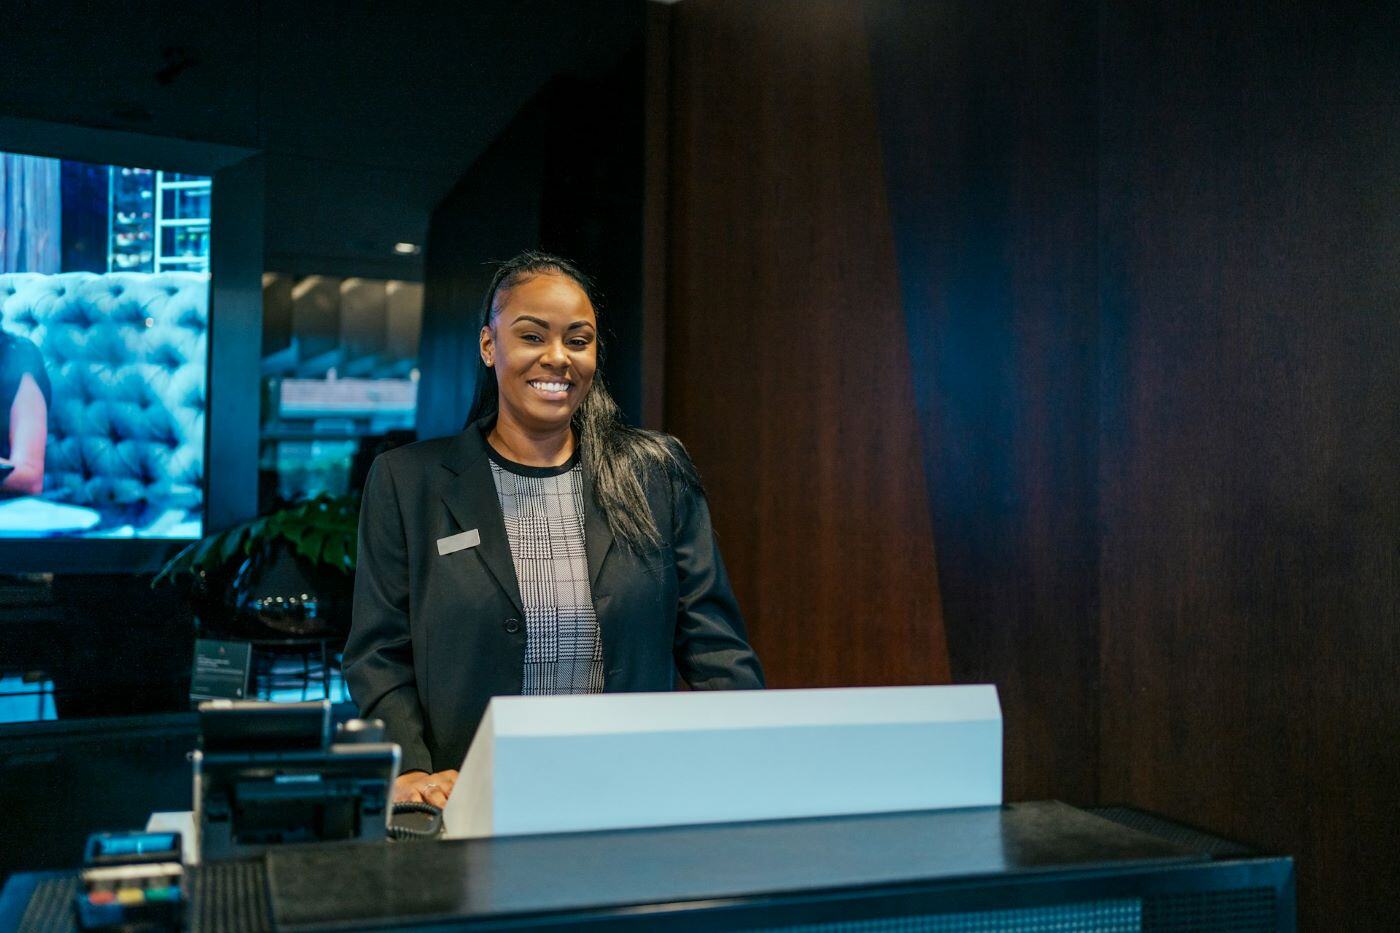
104 321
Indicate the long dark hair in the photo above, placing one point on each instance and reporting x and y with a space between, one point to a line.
616 454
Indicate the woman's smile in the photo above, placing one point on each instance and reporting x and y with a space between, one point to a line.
553 390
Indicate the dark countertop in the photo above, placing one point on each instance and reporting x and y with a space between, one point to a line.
578 871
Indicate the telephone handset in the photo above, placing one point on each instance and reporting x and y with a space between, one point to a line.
415 820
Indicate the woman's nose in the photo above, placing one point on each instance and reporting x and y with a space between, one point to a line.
555 354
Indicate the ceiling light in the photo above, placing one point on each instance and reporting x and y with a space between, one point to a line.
407 249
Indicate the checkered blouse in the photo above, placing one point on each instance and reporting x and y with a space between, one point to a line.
543 509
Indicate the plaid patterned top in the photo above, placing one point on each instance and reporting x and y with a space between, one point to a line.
543 509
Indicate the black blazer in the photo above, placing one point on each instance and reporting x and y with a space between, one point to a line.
434 637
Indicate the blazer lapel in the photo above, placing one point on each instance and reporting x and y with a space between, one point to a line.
471 498
470 495
597 536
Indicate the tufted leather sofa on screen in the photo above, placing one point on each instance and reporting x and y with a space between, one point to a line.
126 353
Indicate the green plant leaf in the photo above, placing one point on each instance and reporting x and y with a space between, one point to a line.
205 548
177 565
231 544
309 545
291 531
335 552
323 529
258 529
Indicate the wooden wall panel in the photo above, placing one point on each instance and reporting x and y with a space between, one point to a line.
1250 574
656 206
987 122
1134 269
787 366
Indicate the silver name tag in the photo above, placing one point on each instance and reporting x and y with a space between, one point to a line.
461 542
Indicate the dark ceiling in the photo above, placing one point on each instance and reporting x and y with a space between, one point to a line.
368 112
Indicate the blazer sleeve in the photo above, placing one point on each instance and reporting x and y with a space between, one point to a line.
712 651
379 651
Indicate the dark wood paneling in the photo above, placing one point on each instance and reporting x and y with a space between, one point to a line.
656 210
592 210
492 214
987 124
1147 275
1251 400
788 374
566 177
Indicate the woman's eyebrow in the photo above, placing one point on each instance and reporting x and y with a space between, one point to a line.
539 322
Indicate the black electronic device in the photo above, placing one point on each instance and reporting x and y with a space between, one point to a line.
360 732
126 848
139 896
269 774
246 726
131 880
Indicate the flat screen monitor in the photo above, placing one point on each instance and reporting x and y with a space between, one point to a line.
104 356
129 277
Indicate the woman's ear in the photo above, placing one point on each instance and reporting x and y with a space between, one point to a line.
488 347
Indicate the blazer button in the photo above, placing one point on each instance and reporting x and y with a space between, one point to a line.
512 625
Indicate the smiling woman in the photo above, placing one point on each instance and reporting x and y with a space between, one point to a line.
548 548
541 338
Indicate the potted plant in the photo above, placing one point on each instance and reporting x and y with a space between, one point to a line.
287 574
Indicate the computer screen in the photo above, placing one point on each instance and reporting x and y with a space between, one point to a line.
104 363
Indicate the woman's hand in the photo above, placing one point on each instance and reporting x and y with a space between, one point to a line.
422 787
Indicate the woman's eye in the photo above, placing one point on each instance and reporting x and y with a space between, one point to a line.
532 338
578 343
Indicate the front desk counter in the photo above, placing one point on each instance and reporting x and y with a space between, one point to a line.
1029 867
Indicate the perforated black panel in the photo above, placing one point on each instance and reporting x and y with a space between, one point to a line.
1171 831
227 896
51 907
1249 910
241 904
224 897
1119 916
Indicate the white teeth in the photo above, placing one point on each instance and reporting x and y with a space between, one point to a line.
551 386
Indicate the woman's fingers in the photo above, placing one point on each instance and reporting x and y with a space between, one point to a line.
417 787
408 787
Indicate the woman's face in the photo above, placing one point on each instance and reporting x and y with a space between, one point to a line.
543 345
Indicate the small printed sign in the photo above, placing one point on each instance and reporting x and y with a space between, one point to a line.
220 669
454 543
